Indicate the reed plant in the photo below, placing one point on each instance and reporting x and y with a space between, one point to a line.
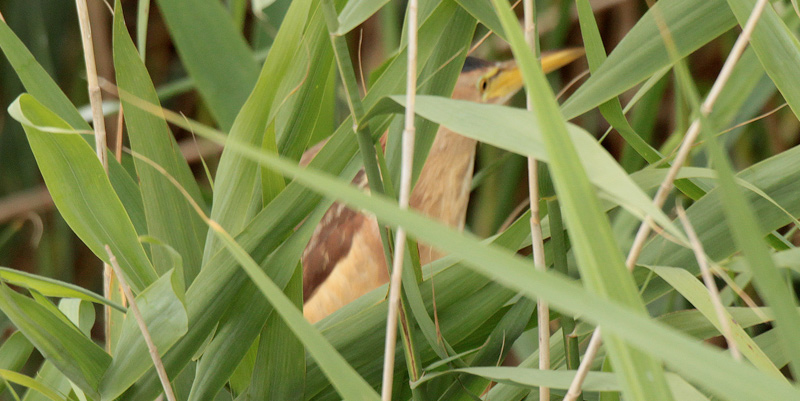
197 213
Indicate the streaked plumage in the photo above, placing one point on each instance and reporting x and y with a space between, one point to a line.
344 258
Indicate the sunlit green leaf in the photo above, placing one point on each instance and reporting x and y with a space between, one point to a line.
169 216
53 288
691 24
82 191
75 355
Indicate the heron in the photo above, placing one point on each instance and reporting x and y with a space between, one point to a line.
344 258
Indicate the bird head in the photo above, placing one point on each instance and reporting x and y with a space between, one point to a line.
496 82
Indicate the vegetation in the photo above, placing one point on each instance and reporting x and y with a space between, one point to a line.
204 214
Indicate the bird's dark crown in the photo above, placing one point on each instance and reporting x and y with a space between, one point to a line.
474 63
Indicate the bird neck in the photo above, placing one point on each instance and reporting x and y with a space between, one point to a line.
442 191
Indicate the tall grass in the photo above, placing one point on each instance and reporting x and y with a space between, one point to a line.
209 244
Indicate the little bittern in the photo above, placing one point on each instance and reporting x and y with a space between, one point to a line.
344 258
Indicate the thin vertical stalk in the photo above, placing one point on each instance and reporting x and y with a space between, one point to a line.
98 121
694 130
537 241
362 130
95 97
588 357
365 144
680 158
137 314
405 194
708 280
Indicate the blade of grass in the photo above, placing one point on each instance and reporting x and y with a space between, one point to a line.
767 279
483 12
688 286
597 381
78 184
777 48
776 176
280 364
168 217
560 244
225 80
612 109
137 314
239 328
236 181
355 13
39 84
50 375
680 353
342 376
496 348
142 18
25 381
14 352
163 311
53 288
683 152
479 121
80 359
643 376
643 51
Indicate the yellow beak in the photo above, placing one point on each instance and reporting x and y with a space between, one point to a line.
505 80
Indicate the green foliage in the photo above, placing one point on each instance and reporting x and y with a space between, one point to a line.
216 271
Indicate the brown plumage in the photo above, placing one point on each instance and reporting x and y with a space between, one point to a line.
344 258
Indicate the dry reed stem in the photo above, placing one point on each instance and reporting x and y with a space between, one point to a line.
537 241
96 101
137 314
118 137
680 158
95 96
405 194
708 279
583 369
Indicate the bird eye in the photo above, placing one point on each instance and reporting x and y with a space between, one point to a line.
483 84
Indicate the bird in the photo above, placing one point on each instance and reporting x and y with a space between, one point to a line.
344 258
